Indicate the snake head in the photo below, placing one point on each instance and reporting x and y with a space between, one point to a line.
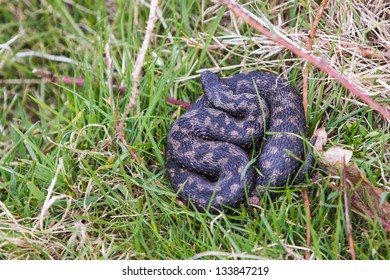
211 83
215 90
209 77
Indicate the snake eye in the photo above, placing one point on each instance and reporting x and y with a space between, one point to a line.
213 178
206 136
239 117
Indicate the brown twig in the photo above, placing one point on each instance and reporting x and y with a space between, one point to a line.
109 65
318 62
305 106
183 104
347 212
308 221
309 47
51 77
78 81
136 74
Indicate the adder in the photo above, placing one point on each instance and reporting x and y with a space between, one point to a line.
207 155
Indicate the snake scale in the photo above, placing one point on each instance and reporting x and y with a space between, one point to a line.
207 158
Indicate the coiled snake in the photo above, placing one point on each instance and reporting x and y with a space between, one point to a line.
207 158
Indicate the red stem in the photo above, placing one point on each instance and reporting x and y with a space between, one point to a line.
318 62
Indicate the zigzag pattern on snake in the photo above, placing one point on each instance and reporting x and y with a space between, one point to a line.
207 157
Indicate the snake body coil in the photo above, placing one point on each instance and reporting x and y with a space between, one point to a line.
207 160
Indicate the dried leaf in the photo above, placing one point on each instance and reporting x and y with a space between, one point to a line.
336 155
321 138
366 198
366 194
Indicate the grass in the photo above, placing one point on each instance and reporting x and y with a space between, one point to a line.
106 205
